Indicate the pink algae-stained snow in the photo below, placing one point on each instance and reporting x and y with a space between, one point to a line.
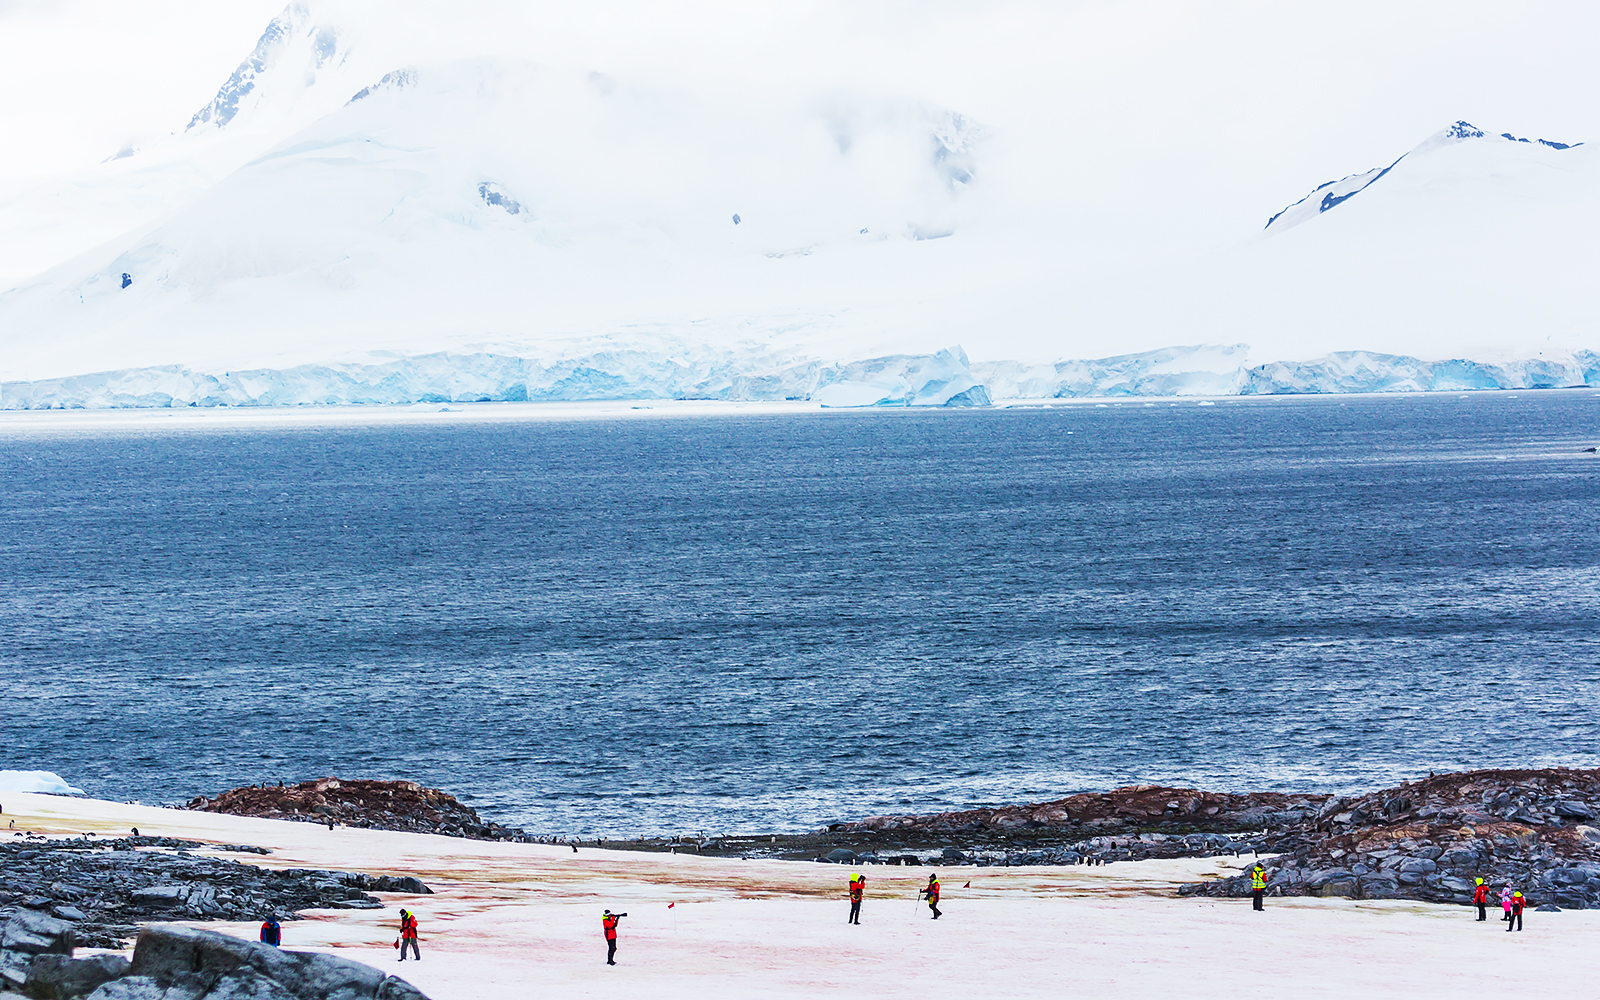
518 920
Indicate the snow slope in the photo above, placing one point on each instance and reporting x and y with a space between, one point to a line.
332 227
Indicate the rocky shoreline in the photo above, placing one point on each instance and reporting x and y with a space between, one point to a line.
1426 840
106 887
179 963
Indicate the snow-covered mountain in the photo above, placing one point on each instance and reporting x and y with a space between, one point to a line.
1335 193
334 226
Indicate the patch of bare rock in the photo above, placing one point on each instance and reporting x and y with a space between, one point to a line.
179 963
1535 829
378 805
1538 829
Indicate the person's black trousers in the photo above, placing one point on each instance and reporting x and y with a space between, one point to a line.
855 911
412 944
1515 920
611 952
1483 911
1255 901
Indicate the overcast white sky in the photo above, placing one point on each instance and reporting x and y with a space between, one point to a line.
1187 121
1278 94
1120 132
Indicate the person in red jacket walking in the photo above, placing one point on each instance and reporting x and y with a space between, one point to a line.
1480 896
408 935
1515 919
858 886
609 923
932 894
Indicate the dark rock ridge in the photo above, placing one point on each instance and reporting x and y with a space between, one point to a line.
103 888
180 963
1133 807
378 805
1428 840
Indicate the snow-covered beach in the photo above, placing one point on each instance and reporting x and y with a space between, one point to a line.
509 919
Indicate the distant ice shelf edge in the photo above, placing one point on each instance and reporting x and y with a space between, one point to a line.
945 378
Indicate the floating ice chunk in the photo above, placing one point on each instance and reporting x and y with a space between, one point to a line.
36 781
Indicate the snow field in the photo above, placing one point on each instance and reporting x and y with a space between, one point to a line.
510 919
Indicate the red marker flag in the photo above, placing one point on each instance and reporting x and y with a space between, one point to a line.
967 886
671 905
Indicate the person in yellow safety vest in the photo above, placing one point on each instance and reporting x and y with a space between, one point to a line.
858 886
1258 886
408 935
932 893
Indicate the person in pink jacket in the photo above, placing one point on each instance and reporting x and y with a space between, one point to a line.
1505 901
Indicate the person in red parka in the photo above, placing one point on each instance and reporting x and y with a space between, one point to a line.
932 894
1480 896
1515 920
858 886
609 923
408 935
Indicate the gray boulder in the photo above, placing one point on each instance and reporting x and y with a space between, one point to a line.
1418 866
1574 810
1378 887
145 988
841 856
1345 887
28 934
57 977
166 953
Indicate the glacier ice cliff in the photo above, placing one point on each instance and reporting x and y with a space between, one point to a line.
945 378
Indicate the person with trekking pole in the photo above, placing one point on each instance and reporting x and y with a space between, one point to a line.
1514 915
408 935
1480 896
931 892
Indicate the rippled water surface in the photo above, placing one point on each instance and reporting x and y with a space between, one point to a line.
740 623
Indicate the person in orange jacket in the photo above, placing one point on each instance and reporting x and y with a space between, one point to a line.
609 923
408 935
1480 896
1515 919
858 886
932 894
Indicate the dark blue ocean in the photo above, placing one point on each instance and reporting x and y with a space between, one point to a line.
741 623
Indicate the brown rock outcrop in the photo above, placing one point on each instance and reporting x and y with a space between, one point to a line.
377 805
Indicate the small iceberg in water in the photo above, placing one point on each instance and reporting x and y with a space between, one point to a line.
36 781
